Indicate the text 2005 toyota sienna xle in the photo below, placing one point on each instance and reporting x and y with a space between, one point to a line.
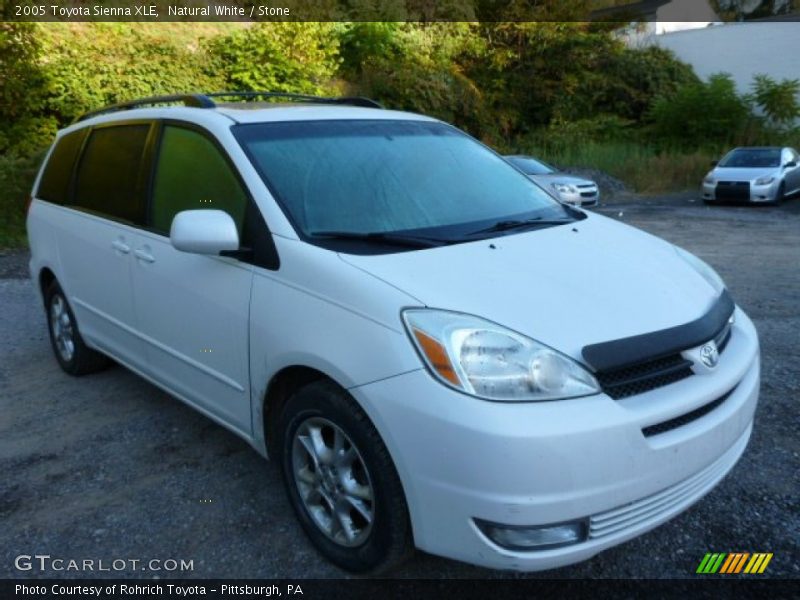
436 352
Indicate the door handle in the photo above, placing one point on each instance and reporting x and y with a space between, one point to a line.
144 256
120 246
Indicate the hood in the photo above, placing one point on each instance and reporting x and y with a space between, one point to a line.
743 173
551 178
566 286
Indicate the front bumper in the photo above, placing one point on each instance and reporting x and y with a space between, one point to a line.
755 193
529 464
583 197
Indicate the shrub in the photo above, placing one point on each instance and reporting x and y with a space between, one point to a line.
284 57
16 178
62 70
414 67
701 115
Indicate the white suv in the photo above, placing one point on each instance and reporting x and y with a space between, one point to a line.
437 353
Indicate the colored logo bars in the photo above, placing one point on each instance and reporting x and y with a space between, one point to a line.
735 562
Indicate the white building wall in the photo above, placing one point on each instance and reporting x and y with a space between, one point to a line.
740 49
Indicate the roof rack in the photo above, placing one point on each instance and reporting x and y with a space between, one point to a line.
347 100
205 101
195 100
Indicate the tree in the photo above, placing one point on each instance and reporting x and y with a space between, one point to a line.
778 100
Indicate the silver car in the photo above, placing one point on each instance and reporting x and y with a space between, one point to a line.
564 187
754 174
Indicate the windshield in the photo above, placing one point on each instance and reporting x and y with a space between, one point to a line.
752 157
531 166
382 176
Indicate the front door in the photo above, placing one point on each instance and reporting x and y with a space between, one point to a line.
193 310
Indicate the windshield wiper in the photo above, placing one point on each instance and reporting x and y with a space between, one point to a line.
396 239
512 224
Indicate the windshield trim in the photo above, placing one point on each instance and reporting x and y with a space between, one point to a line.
438 231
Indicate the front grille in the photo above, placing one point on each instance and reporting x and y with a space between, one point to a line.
643 377
632 366
686 418
588 194
733 190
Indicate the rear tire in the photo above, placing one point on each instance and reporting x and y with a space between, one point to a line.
72 354
341 481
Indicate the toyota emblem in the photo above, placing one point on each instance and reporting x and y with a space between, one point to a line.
709 355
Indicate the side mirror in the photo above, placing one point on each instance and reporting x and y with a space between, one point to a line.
714 163
204 231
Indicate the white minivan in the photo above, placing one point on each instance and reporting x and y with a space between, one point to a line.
438 354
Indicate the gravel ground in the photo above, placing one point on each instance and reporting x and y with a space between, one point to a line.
109 467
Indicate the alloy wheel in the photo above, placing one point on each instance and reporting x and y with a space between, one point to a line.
62 327
332 481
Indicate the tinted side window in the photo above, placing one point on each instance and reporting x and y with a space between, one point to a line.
109 175
192 173
54 185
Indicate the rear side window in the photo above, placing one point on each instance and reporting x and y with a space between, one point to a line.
109 175
54 186
193 173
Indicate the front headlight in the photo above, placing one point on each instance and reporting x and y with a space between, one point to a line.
709 274
709 179
565 188
488 361
766 180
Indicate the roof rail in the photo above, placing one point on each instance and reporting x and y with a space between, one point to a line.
348 100
195 100
205 101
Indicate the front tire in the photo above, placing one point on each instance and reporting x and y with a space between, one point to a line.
781 195
72 354
341 481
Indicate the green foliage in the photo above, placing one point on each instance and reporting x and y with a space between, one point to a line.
630 79
61 71
701 115
368 41
103 63
16 178
283 57
560 136
413 67
20 50
778 100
